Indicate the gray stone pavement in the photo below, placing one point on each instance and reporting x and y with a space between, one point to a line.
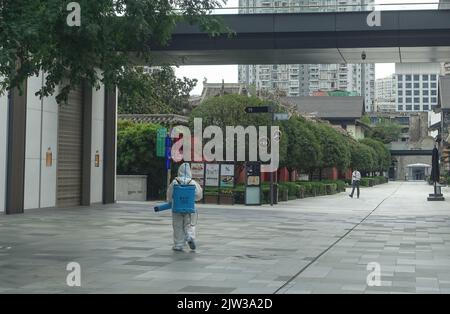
314 245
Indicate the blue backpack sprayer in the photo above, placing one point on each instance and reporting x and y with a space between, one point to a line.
183 198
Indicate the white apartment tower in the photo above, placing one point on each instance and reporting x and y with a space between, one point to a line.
305 79
386 93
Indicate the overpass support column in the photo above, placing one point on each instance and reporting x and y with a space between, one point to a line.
110 146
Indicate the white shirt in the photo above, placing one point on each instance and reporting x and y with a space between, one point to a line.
356 176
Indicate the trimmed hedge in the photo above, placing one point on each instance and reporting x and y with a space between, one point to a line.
287 190
371 181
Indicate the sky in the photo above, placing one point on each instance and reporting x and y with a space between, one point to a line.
229 73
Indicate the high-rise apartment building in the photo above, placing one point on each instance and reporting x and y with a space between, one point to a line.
305 79
417 86
386 94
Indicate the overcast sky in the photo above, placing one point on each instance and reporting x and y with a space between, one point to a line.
229 73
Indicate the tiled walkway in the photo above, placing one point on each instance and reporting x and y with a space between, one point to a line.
315 245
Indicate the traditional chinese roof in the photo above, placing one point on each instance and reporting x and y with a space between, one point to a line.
329 108
163 119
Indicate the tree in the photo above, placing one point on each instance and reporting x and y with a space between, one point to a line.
385 131
362 157
383 160
303 146
113 34
229 110
158 92
335 147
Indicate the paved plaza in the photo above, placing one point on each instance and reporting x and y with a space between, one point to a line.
313 245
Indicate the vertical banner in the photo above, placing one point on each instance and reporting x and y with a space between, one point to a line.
161 134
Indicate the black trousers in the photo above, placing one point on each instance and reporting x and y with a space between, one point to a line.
355 184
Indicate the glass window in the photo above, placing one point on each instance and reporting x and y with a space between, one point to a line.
408 107
416 100
417 93
416 77
408 85
408 78
425 99
400 100
416 85
425 85
400 93
433 107
433 77
400 85
425 77
408 93
408 100
433 85
434 100
433 92
425 107
425 92
400 107
416 107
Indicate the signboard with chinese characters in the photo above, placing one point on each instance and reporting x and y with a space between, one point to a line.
198 172
212 175
227 175
161 134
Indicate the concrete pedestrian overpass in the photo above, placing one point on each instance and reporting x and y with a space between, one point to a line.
308 38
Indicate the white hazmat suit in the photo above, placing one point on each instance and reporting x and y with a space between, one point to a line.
183 230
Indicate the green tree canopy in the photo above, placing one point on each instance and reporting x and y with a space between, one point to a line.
229 110
304 148
113 34
158 92
335 147
383 161
385 131
362 157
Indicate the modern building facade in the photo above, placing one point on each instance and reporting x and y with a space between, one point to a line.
411 153
305 79
57 155
385 94
417 86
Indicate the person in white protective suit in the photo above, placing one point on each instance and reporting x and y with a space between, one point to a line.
183 229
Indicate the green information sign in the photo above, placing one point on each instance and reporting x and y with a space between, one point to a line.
161 142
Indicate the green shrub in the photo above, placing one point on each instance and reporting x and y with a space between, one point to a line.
331 188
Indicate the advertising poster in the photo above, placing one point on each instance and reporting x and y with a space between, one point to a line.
198 172
227 175
212 175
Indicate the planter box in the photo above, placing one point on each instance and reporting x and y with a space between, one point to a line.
211 199
284 196
226 199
